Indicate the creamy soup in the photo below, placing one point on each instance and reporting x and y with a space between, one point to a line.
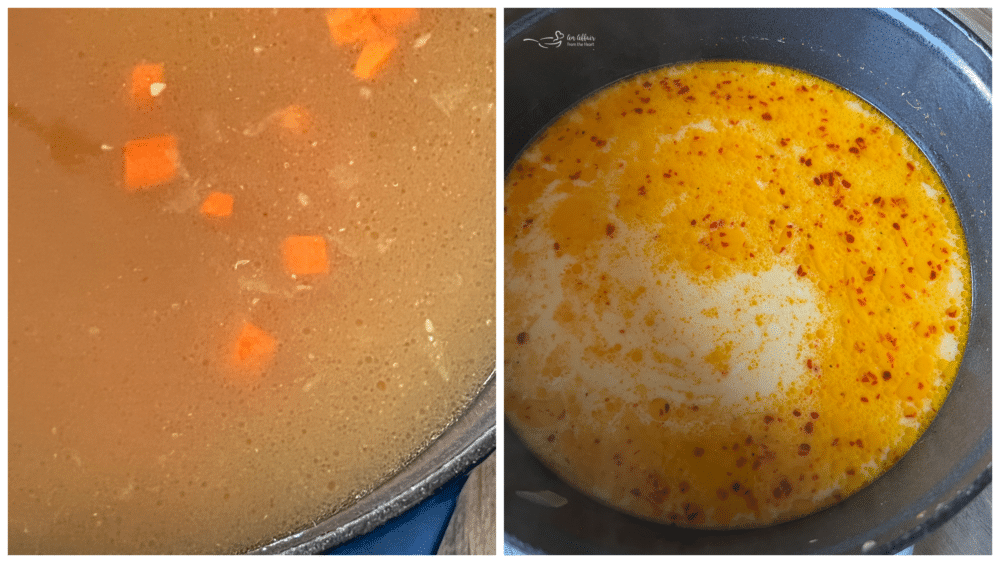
734 294
252 266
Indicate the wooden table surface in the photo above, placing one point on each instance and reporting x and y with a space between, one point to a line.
473 527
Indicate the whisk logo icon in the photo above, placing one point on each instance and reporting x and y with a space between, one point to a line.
560 39
546 42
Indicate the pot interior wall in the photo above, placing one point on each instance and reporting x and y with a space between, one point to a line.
928 74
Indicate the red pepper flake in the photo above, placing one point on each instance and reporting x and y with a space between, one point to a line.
576 176
698 452
845 183
850 471
637 110
808 427
801 272
817 181
804 449
854 150
644 100
783 489
864 399
850 238
910 166
556 246
683 90
522 338
768 419
642 190
832 146
609 229
600 143
895 226
766 116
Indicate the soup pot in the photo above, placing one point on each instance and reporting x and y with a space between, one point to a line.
931 74
466 442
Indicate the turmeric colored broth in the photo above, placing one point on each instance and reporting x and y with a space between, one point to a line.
138 422
735 294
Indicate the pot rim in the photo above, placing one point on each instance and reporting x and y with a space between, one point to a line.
461 446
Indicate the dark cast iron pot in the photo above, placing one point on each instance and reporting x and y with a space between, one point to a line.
931 73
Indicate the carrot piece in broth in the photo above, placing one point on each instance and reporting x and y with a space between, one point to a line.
351 25
150 162
254 347
373 57
217 204
303 255
144 76
374 28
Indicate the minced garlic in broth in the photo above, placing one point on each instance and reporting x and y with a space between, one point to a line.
734 294
126 433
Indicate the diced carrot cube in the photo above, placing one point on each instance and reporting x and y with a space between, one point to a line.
351 25
217 204
373 57
143 77
304 255
392 19
149 162
253 348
